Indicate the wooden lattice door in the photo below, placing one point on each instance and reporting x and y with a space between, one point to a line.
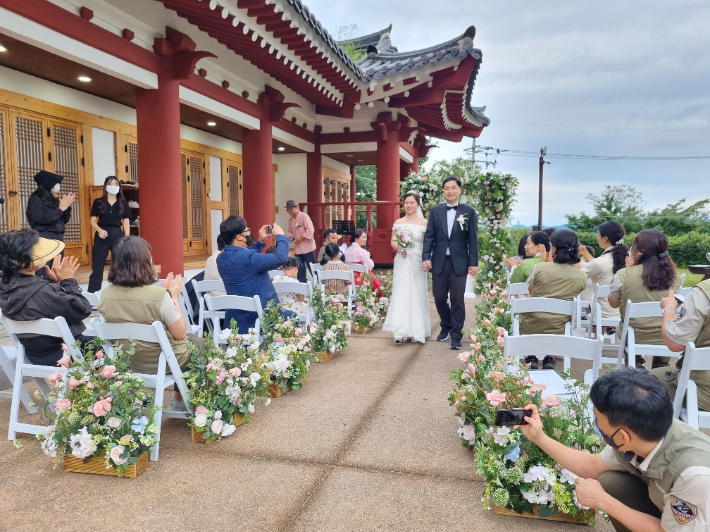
4 173
193 204
234 184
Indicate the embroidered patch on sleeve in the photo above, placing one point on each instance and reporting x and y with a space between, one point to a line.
684 512
679 314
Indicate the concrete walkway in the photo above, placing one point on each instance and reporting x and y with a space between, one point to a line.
369 444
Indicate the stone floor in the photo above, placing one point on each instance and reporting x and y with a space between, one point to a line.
368 444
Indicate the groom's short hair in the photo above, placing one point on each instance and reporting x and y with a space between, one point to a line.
451 178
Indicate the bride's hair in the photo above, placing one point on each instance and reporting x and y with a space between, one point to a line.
412 194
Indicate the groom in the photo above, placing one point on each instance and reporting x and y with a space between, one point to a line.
450 252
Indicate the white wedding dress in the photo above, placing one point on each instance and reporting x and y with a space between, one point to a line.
408 313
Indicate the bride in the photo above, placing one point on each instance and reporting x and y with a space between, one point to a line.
408 314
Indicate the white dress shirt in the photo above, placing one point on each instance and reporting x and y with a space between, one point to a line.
450 219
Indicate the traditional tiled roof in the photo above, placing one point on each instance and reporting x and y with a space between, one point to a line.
373 39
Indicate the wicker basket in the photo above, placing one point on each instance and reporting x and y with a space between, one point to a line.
326 356
362 330
276 391
580 519
237 420
96 466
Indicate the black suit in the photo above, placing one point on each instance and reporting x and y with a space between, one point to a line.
449 271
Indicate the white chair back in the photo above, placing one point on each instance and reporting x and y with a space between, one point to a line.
57 328
222 303
694 359
187 313
682 280
358 268
201 287
518 289
341 275
628 345
304 289
153 333
92 297
275 273
597 322
508 275
315 267
159 282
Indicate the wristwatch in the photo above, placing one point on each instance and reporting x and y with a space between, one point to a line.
674 309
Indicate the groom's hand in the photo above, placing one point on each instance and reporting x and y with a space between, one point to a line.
426 265
472 270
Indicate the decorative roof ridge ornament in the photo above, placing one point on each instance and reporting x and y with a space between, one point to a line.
466 42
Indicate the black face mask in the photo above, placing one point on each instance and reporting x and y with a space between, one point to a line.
249 240
609 440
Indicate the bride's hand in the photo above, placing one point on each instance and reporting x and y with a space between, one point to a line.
404 252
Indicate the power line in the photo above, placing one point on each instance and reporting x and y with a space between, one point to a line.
601 127
489 150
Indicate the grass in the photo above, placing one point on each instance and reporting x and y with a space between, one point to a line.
691 279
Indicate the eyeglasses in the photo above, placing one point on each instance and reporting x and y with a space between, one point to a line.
247 230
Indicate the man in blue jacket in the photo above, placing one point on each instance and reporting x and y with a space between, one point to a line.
245 270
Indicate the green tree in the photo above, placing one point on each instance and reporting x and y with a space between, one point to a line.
674 220
620 203
366 190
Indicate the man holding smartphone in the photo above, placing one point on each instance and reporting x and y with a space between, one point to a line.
300 230
654 473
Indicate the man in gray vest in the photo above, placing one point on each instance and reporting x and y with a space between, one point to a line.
654 473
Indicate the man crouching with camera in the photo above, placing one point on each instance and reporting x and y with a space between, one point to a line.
654 473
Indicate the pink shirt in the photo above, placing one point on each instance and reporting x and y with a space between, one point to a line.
299 226
355 254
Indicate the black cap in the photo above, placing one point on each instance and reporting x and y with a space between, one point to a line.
47 180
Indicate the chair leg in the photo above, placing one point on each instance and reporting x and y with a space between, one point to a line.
9 370
691 402
15 404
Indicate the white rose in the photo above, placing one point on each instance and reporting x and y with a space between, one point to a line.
251 408
113 422
216 426
200 420
116 455
218 414
228 430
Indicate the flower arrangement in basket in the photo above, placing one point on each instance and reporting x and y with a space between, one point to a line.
100 410
332 326
367 305
386 290
428 188
225 385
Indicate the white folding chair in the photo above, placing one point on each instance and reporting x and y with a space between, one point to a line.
684 291
342 275
518 289
57 328
305 289
187 313
628 345
509 274
275 273
543 304
694 359
358 268
92 298
215 304
202 287
315 267
159 282
154 333
682 280
597 321
7 355
542 345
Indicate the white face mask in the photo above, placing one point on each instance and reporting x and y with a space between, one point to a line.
113 189
55 188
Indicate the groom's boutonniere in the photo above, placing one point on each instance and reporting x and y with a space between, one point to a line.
463 221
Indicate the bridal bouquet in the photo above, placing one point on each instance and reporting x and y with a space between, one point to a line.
403 238
100 409
226 384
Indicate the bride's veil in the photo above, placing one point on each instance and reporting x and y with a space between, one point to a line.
419 209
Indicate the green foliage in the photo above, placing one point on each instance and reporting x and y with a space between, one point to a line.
366 185
351 46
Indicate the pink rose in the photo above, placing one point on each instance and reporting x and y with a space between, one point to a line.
116 455
65 348
308 363
487 322
55 377
101 408
465 375
201 409
463 357
90 385
108 371
99 354
235 372
537 388
73 382
64 361
473 339
495 397
476 347
220 377
550 401
126 438
501 330
217 426
497 375
118 383
500 341
298 331
472 369
63 405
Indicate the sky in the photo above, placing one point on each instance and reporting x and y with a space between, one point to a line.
592 78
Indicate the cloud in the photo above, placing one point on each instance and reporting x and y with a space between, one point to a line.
616 64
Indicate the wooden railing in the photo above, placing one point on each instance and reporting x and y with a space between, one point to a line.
316 210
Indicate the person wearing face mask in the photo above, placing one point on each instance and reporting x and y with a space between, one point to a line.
245 270
110 218
47 213
654 473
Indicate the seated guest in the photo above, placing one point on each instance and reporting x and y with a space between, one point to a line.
535 244
211 271
295 302
133 297
689 322
557 277
653 474
357 254
601 270
24 296
245 270
329 237
649 275
332 262
511 262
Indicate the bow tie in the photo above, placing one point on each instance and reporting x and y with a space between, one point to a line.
450 207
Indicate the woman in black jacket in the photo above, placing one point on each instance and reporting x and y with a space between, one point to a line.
25 296
46 213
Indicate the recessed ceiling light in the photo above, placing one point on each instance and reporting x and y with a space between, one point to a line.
281 148
349 155
84 79
211 124
2 48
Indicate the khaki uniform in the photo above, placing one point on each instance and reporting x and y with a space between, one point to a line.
558 281
119 304
692 324
676 475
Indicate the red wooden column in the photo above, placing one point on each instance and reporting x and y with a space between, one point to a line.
353 191
257 157
159 163
314 179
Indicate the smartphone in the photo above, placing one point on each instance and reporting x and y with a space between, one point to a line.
270 228
512 416
679 298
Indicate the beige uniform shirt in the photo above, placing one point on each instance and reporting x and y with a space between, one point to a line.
687 505
691 317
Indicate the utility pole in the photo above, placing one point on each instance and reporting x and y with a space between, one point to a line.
473 157
543 152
